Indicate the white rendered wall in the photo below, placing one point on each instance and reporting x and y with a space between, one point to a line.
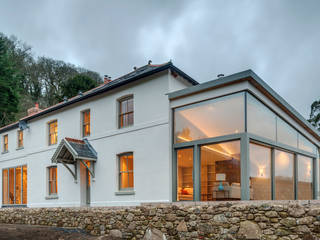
148 139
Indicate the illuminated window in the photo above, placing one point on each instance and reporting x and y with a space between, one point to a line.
212 118
185 174
126 112
14 185
53 132
52 181
86 123
284 175
220 171
260 172
5 143
20 138
126 171
305 175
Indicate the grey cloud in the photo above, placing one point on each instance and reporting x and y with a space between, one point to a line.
279 40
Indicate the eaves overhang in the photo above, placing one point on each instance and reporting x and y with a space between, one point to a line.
108 87
256 81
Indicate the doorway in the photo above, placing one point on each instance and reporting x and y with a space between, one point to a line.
85 182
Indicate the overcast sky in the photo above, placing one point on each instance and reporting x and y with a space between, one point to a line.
278 39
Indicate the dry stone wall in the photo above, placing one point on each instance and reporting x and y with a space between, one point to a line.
285 220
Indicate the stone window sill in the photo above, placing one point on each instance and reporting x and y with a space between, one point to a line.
119 193
50 197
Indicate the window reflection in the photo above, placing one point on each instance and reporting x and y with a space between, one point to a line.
305 186
306 145
260 172
286 134
217 117
284 181
220 171
185 171
261 120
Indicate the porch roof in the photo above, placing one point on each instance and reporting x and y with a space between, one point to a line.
71 150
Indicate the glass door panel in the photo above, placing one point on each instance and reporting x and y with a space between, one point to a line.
185 174
220 171
284 177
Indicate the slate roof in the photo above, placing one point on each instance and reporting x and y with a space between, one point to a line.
139 73
69 150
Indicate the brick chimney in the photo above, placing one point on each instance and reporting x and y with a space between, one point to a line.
106 79
34 109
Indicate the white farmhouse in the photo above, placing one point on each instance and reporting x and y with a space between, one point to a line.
156 135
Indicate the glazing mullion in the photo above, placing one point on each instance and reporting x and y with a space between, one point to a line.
273 183
296 176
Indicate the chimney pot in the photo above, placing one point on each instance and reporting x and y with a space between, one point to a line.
106 79
34 109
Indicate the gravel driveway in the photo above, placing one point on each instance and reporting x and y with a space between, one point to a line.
26 232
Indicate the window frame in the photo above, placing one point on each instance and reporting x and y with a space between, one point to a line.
22 190
121 114
50 181
49 133
84 124
5 145
125 172
245 138
20 141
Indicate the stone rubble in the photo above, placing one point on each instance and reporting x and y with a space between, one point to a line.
266 220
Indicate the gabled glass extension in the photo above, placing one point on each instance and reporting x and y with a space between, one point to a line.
234 147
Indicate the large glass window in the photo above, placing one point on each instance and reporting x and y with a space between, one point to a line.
286 134
5 184
14 185
284 175
261 120
126 171
24 184
53 132
212 118
18 186
260 172
305 186
126 112
306 145
185 174
220 171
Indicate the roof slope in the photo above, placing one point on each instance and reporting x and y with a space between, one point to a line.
139 73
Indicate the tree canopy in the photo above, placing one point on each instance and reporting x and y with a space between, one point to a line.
315 114
9 89
35 79
76 84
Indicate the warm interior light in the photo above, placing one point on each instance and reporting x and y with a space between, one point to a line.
309 170
261 171
207 147
284 159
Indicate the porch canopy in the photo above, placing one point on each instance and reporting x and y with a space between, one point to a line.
72 150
